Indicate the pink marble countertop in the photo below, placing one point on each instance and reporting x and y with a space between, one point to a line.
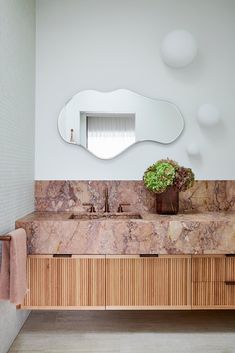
187 233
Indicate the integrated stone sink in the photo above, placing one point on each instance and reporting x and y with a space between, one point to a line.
105 216
128 233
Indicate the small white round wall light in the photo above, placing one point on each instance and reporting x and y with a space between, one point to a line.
193 149
178 48
208 115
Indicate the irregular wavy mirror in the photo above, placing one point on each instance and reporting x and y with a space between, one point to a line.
107 123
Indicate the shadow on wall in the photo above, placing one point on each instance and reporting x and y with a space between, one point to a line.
216 133
189 74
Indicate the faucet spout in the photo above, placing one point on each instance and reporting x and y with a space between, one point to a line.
106 203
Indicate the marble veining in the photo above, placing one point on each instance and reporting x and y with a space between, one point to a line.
204 225
62 195
192 233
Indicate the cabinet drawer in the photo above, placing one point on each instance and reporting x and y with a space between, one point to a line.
215 268
213 282
213 295
64 283
133 282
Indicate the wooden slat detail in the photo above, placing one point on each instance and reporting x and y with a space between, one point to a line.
180 288
148 307
130 282
209 276
208 268
62 307
148 282
213 295
230 269
65 282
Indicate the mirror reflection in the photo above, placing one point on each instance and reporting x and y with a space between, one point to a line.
107 123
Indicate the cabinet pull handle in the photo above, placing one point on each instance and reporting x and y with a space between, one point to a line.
62 255
230 283
148 255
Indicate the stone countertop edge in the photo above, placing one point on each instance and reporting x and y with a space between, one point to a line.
182 234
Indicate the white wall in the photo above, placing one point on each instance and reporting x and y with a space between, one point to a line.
109 44
17 72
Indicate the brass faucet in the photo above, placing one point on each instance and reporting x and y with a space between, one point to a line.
106 202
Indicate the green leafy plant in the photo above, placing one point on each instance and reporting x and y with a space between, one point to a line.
167 173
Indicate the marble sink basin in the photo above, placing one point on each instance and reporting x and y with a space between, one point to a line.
126 233
105 216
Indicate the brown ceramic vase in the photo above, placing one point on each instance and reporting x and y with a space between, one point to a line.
168 202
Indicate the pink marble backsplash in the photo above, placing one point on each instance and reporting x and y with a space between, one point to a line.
69 195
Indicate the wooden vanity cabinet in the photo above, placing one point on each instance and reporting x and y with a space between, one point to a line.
135 282
130 282
213 282
76 282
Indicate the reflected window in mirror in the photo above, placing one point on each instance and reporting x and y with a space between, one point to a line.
106 123
105 134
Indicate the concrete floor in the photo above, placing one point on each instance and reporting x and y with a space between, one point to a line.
127 331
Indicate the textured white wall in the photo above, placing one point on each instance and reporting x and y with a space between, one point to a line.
17 83
109 44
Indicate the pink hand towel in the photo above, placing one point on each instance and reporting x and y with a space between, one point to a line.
13 285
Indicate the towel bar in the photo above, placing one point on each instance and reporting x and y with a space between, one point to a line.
5 237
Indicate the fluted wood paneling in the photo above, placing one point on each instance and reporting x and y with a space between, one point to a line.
148 283
130 282
212 282
212 295
77 282
208 268
230 268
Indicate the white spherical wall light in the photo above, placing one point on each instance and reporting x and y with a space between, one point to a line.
193 149
179 48
208 115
